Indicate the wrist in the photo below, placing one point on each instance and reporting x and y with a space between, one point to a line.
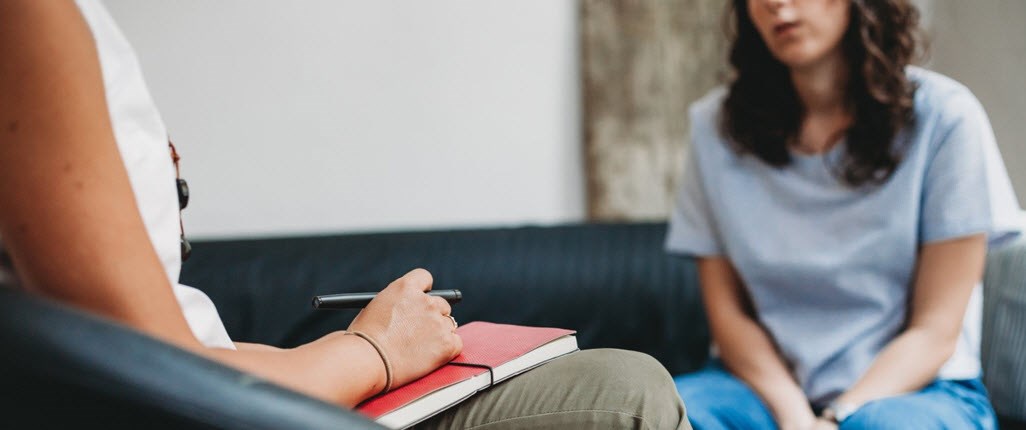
791 410
796 419
368 369
386 386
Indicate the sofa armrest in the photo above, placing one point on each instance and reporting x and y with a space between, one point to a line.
63 365
1004 331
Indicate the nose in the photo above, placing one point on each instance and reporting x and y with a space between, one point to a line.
775 5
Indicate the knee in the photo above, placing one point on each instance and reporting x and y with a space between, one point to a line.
717 400
706 413
635 383
882 415
711 412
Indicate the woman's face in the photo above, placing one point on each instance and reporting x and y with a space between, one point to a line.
800 33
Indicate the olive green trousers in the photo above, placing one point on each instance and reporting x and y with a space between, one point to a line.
592 389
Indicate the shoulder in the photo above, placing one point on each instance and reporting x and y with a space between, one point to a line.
942 102
704 116
706 110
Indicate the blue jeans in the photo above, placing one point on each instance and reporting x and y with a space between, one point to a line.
716 400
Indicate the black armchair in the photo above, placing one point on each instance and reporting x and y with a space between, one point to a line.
63 366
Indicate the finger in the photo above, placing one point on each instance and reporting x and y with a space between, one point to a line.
441 305
449 323
420 278
457 346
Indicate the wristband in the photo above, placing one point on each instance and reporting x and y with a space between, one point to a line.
384 359
839 411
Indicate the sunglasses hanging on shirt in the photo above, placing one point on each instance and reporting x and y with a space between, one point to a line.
183 201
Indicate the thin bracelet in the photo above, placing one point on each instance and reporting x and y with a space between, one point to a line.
384 358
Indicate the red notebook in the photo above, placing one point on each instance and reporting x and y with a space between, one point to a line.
507 349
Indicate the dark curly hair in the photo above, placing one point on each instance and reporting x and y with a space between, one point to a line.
762 114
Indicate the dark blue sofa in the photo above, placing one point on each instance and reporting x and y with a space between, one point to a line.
611 282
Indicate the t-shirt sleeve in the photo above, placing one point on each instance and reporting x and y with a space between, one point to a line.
966 189
692 228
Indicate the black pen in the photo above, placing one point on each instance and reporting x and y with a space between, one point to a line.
360 300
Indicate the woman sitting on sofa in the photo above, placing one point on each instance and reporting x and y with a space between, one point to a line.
90 217
840 203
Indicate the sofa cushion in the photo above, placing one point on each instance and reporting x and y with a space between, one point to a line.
1004 330
613 283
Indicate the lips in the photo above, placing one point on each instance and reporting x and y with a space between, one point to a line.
784 28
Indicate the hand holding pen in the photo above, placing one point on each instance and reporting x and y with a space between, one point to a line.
413 332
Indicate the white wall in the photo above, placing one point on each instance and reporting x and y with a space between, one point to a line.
327 115
342 115
983 45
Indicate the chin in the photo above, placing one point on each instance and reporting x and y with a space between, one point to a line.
796 58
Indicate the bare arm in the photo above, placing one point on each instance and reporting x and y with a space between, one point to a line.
745 347
68 207
945 278
246 346
70 223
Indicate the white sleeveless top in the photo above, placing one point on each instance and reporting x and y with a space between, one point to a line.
142 140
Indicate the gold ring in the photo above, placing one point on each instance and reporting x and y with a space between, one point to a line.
454 324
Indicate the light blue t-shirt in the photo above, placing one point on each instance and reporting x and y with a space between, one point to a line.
829 268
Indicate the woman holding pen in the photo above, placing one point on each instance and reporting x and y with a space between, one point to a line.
89 217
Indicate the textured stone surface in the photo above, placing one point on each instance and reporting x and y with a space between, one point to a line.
643 62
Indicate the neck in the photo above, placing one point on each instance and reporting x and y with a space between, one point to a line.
821 86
